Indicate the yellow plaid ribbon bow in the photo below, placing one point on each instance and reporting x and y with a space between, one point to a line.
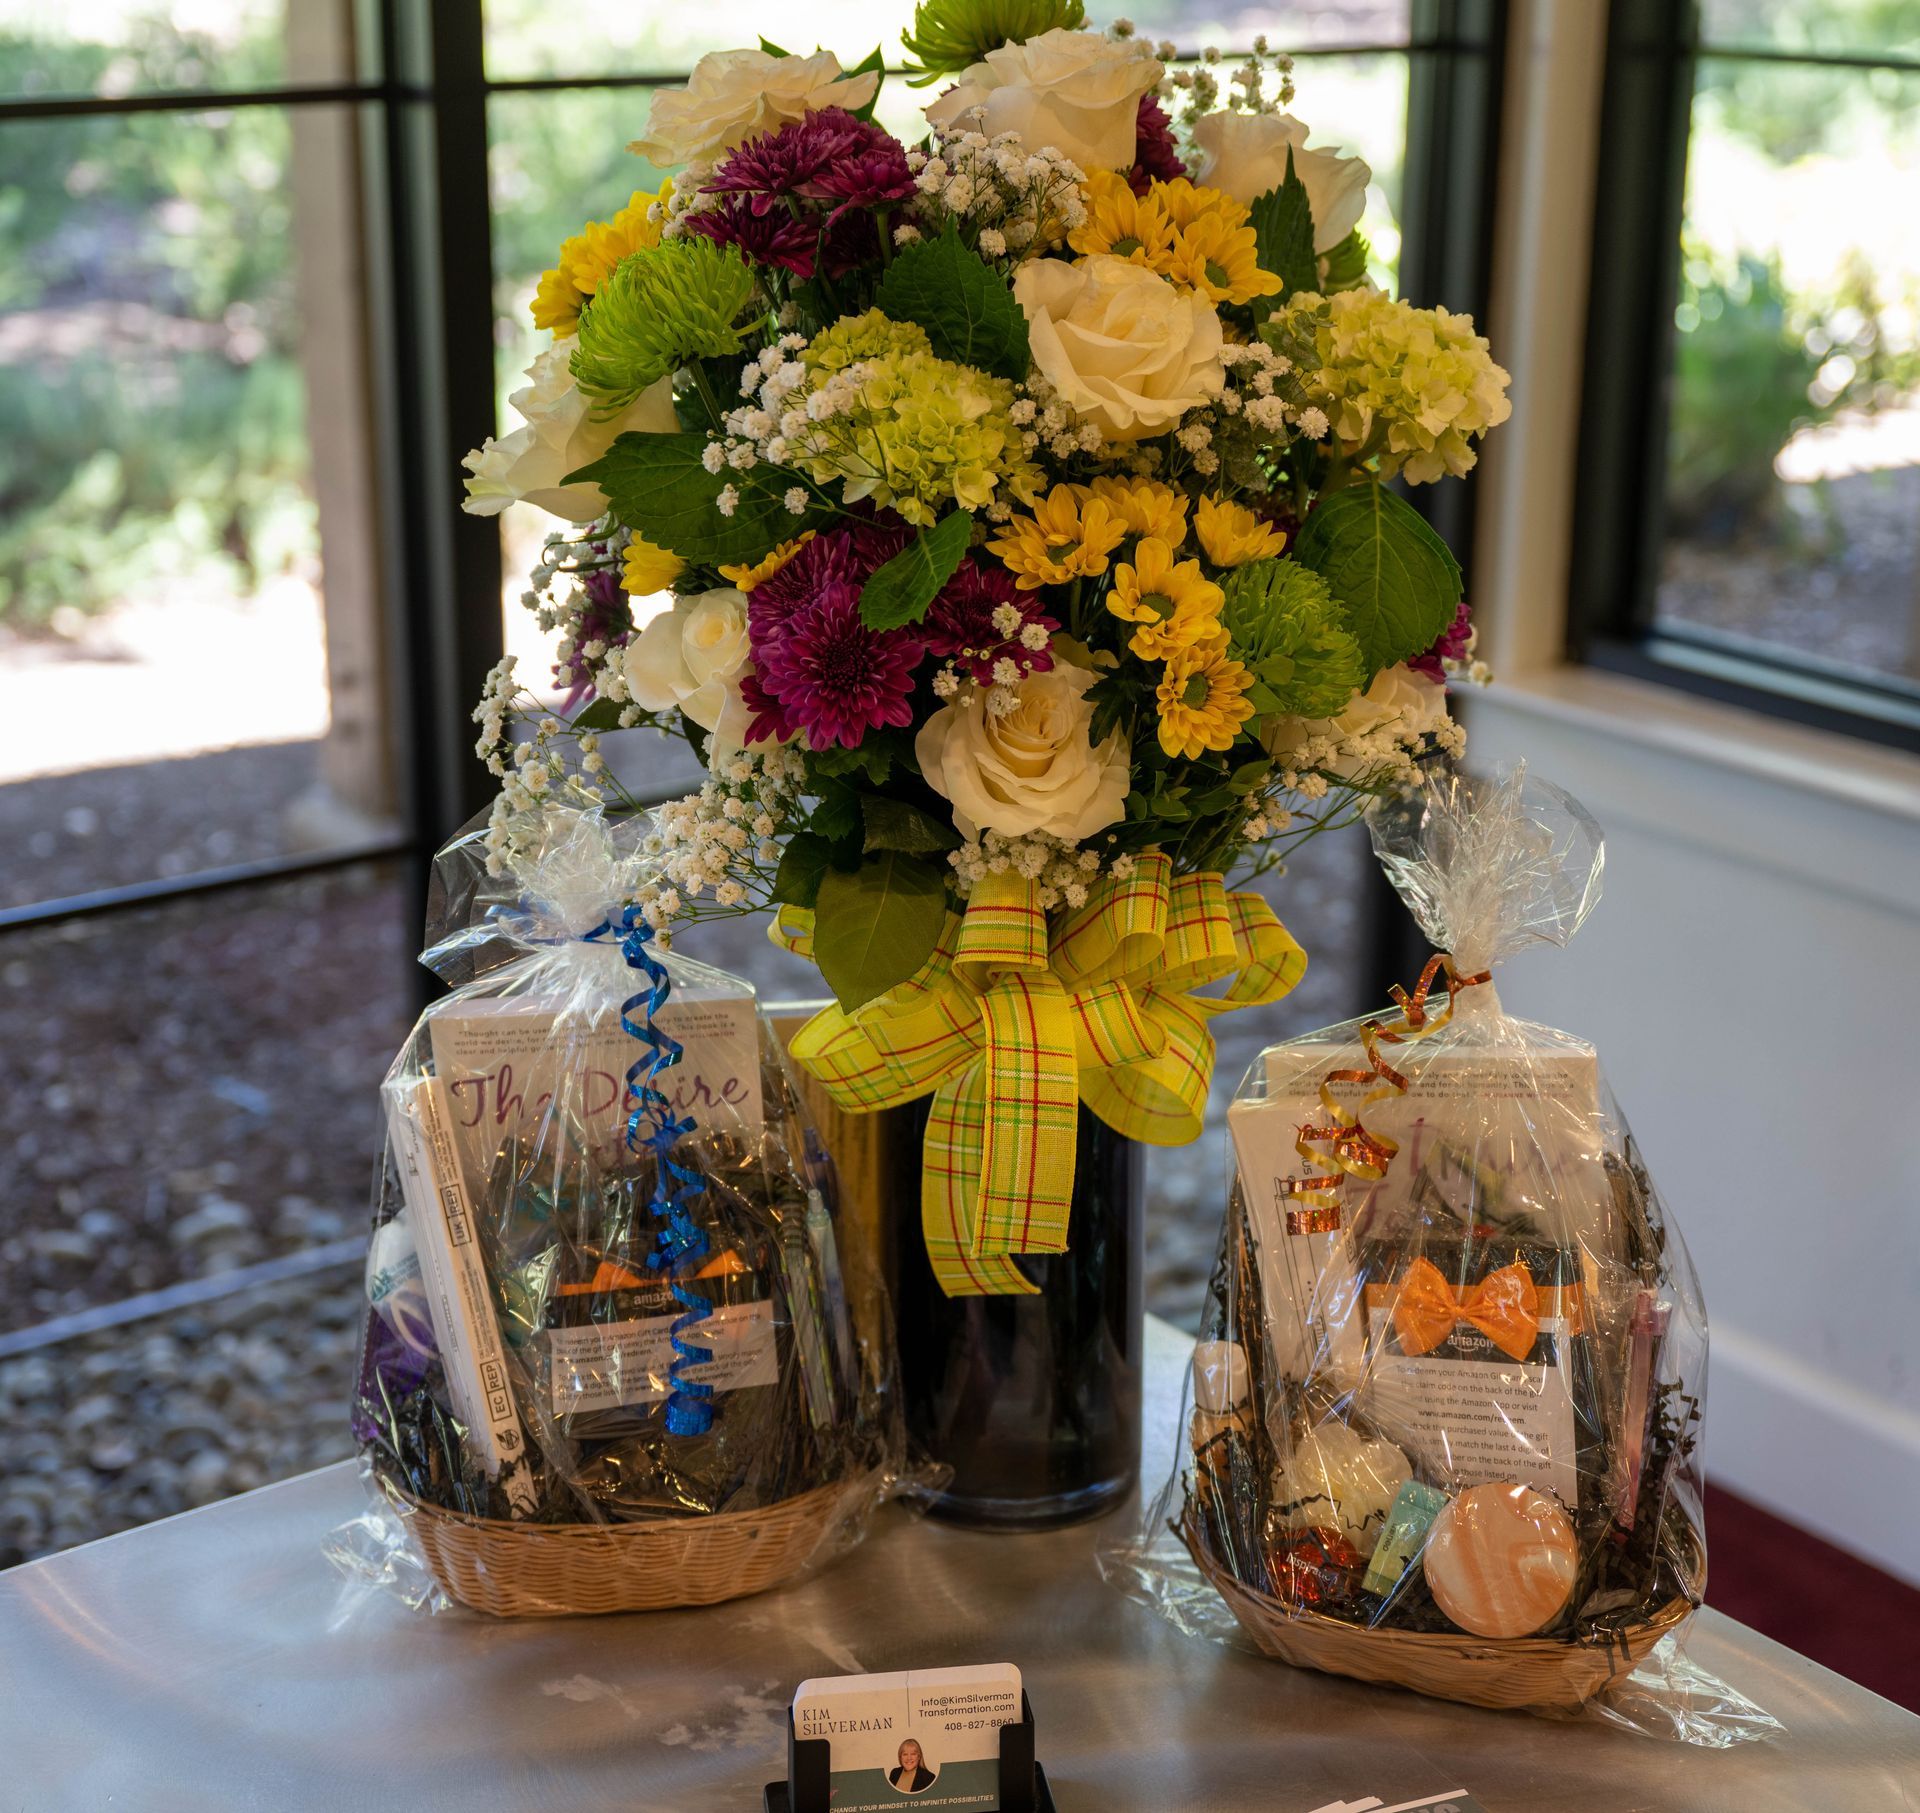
1010 1026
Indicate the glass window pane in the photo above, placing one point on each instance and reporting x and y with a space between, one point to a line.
1294 25
1793 469
123 47
534 38
187 558
184 1091
1881 28
524 40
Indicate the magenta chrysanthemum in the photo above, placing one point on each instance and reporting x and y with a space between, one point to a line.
1452 645
960 627
819 668
1155 156
827 156
764 232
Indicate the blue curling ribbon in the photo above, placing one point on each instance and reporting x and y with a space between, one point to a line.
679 1244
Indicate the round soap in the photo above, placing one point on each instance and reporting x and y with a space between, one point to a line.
1219 1377
1500 1560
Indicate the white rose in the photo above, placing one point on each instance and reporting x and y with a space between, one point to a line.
560 436
1072 90
735 95
1119 343
1246 155
1033 769
686 656
729 731
1399 700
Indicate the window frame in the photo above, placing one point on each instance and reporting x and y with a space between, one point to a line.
1653 51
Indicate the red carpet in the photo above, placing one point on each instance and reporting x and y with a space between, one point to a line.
1813 1597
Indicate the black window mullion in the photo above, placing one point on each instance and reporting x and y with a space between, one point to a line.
1635 272
440 260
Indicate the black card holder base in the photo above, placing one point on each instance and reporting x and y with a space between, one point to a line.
809 1783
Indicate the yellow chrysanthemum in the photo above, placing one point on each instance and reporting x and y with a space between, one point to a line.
1220 261
1202 701
1145 507
588 259
1123 224
747 577
649 569
1185 202
1174 604
1232 535
1063 539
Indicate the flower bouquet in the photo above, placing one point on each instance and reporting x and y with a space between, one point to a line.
1005 519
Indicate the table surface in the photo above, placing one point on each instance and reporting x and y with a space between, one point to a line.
215 1661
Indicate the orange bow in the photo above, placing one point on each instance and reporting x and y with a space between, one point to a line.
1504 1306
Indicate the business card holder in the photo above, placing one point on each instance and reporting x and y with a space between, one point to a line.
1023 1783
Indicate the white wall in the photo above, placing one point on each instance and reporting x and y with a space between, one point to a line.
1752 976
1752 982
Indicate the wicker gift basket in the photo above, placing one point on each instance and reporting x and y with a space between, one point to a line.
617 1357
1442 1430
521 1570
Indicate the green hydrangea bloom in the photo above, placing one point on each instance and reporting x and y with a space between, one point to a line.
1409 386
662 307
948 35
1286 625
913 432
868 336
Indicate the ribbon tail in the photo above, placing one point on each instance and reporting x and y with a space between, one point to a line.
950 1189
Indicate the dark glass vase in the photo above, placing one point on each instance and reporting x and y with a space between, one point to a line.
1033 1401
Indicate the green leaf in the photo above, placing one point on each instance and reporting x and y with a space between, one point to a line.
837 815
874 756
899 592
1395 578
659 487
1249 775
1283 234
772 49
796 882
875 61
895 824
602 714
875 927
965 306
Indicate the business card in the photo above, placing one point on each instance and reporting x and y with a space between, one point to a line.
929 1738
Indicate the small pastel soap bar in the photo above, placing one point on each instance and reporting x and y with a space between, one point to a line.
1409 1518
1501 1559
1220 1382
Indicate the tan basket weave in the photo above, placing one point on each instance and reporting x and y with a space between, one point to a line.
1515 1672
526 1570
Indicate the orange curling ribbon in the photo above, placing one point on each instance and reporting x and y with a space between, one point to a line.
1504 1306
1351 1149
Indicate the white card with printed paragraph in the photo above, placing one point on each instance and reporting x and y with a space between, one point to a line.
928 1738
501 1073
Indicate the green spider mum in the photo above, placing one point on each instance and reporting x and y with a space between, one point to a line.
948 35
662 307
1287 626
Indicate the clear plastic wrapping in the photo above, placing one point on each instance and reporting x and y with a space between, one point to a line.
1444 1423
604 1282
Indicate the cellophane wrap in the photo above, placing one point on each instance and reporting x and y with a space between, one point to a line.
1443 1427
640 1346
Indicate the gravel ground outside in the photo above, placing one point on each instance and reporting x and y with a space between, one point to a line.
191 1088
